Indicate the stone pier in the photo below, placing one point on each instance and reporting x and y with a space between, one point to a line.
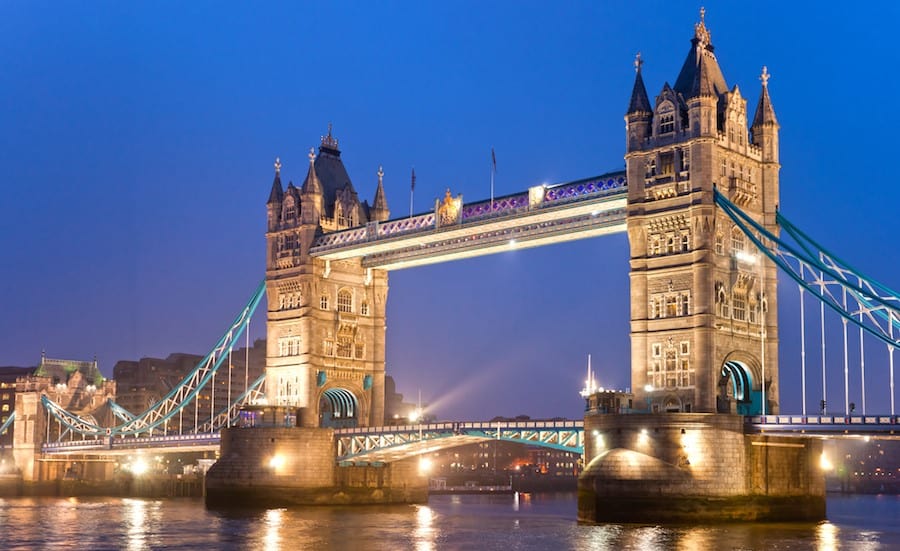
271 466
691 467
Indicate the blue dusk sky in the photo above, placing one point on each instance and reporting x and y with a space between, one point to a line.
137 141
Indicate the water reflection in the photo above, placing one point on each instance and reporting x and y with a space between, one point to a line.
534 522
135 513
424 534
273 520
827 537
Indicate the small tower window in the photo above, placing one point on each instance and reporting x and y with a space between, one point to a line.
720 244
364 308
323 302
345 301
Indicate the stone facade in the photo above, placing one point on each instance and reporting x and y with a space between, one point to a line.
326 320
682 466
704 307
296 466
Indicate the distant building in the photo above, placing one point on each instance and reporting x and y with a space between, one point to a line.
145 382
8 377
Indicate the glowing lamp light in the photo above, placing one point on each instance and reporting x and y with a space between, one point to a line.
825 463
424 465
276 462
139 467
415 415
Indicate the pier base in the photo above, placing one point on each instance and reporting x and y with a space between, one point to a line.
690 467
268 466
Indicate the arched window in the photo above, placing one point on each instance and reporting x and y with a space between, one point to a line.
345 301
737 240
290 210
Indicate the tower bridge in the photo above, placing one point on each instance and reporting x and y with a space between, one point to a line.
698 200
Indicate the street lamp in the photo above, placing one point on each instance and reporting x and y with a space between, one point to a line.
648 388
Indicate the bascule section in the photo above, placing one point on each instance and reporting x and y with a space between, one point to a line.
703 310
326 326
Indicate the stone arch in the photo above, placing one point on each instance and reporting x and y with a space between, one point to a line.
739 385
338 408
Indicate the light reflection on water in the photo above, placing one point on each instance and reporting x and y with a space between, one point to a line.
523 522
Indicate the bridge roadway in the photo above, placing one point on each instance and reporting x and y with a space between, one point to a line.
391 443
543 214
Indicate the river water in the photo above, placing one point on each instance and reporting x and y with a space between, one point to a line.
507 523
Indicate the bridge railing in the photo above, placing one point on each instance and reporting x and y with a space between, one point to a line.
824 420
518 203
463 425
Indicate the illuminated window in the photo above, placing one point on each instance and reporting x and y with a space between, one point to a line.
671 306
345 301
5 407
667 163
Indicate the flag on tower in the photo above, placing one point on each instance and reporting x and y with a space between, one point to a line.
412 185
494 160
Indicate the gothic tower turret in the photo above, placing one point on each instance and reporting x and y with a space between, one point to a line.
325 326
380 210
703 311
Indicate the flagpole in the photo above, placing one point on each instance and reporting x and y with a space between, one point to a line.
412 188
493 170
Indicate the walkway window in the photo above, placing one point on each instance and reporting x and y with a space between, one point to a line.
345 301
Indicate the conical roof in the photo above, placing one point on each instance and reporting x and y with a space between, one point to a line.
639 103
765 113
700 75
276 195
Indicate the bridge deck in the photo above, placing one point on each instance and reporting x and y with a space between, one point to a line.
542 215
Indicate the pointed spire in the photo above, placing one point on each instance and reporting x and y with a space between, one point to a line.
311 184
765 114
379 205
276 195
701 74
639 100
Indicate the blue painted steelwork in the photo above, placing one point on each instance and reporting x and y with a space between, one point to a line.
119 411
179 397
376 443
877 309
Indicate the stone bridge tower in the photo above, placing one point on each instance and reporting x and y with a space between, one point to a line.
326 320
703 308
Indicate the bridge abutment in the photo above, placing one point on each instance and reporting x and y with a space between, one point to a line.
296 466
693 467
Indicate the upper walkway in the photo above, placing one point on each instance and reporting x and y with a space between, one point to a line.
544 214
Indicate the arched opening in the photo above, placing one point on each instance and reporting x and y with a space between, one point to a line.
736 393
338 408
